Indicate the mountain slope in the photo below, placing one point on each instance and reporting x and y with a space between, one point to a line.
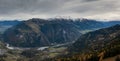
98 39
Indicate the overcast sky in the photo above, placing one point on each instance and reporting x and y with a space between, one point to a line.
26 9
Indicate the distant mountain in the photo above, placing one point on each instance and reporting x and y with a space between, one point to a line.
44 32
10 22
7 24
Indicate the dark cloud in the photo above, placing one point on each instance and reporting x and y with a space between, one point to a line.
24 9
90 0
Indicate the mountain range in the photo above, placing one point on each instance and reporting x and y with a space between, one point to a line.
45 32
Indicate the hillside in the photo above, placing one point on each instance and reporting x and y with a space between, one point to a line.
97 39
